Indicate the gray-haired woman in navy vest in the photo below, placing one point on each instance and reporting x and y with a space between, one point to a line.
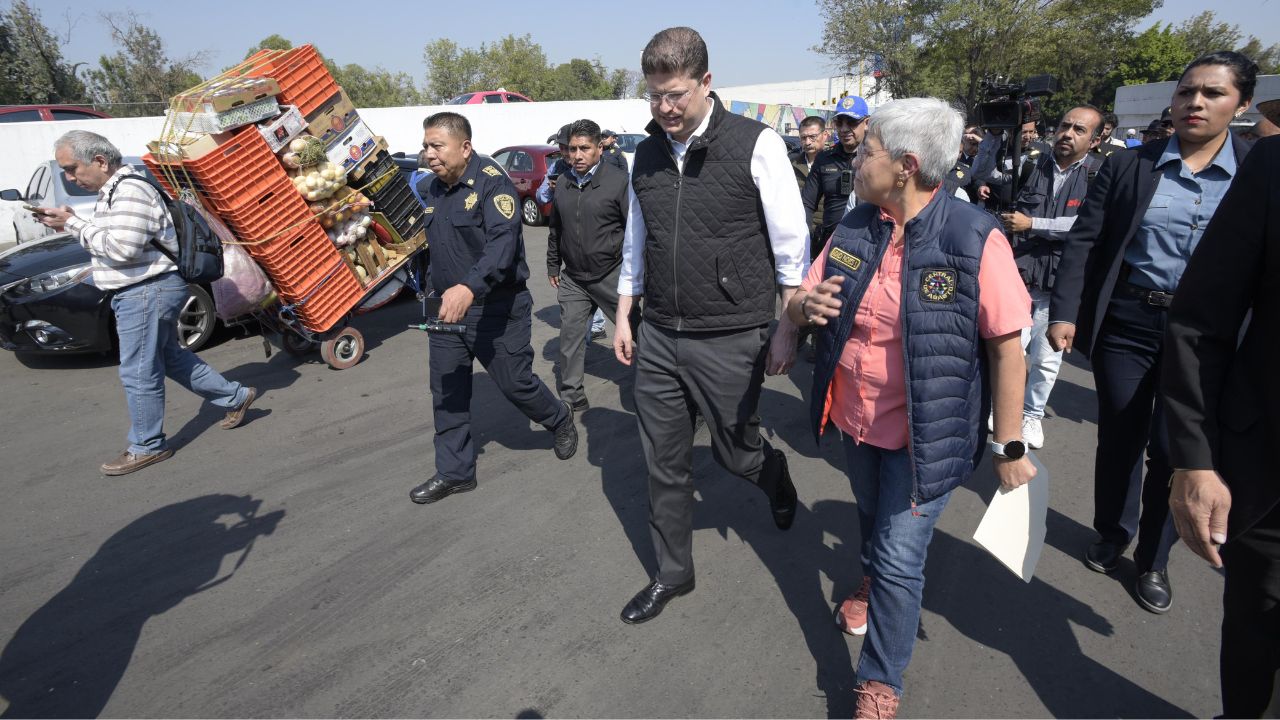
905 344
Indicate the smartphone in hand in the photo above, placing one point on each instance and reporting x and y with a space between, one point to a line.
34 210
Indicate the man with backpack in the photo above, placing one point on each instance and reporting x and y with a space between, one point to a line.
135 252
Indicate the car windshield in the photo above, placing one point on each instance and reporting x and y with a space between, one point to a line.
460 100
628 142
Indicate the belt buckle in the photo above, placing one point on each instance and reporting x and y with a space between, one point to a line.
1159 298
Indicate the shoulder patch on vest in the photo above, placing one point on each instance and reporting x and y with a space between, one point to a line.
845 258
938 285
491 171
430 209
506 205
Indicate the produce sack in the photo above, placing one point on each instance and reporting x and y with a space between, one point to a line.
243 285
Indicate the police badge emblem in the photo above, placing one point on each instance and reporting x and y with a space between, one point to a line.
938 285
506 205
470 202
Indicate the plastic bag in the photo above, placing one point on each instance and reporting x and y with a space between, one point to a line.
243 286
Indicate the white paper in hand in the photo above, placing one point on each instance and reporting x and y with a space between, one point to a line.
1013 528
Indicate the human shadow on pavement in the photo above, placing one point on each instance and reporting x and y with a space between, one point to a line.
68 657
1032 623
612 443
277 373
1073 402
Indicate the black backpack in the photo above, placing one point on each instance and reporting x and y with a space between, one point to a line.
199 258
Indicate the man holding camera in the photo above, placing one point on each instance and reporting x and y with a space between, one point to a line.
1051 196
830 180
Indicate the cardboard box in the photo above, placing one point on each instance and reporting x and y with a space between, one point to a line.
355 147
226 94
191 147
336 116
217 122
280 131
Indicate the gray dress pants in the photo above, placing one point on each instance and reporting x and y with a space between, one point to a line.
719 374
577 302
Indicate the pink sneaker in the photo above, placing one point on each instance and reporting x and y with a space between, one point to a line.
876 700
851 616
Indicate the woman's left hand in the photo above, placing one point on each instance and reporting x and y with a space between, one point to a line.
1013 473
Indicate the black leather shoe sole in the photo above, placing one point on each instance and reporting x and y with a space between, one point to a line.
656 610
428 498
1103 557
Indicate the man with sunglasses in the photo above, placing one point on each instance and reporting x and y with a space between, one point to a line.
830 180
715 234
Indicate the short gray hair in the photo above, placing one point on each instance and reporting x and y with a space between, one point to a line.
926 127
85 146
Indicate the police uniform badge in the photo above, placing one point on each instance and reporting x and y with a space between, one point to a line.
471 182
430 209
491 171
960 174
506 205
843 257
938 285
470 202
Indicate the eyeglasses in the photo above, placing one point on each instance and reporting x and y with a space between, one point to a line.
674 99
814 136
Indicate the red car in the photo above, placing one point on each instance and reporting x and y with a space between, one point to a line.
28 113
488 96
527 166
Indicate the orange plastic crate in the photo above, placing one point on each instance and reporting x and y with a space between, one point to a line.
333 300
277 210
234 174
304 79
299 258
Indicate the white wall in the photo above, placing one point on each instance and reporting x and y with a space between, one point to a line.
1137 105
812 93
493 127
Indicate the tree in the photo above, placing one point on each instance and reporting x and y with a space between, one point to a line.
140 78
32 70
270 42
519 64
451 71
1156 55
377 87
1204 34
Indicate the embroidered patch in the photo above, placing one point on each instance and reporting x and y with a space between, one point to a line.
938 285
1074 202
845 258
491 171
506 205
960 173
470 202
430 209
471 182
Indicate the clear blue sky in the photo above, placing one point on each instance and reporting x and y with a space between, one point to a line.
751 41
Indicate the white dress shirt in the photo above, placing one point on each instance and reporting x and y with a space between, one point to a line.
784 214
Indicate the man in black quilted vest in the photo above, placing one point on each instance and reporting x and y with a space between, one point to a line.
715 233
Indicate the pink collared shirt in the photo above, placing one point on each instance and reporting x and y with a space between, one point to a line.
867 398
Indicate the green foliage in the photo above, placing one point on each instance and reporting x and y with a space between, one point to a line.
270 42
518 64
1204 34
32 70
377 87
1157 54
139 78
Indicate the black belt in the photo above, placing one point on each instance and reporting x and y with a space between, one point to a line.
1155 298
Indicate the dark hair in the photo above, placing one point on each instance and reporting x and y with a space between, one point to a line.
585 127
1102 117
1244 72
455 124
1110 119
675 51
813 120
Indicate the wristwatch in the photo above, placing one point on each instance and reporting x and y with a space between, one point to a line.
1011 450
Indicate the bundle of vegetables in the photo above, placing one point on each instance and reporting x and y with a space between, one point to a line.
313 175
351 230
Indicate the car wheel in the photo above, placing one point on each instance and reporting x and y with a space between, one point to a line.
529 212
196 320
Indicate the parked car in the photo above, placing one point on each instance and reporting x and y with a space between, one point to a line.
627 143
29 113
793 143
49 304
488 96
49 187
527 165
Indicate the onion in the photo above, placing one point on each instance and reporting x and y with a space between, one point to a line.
365 221
298 145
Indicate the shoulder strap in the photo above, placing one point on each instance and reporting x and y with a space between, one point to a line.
163 201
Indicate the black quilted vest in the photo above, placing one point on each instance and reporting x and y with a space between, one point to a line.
707 260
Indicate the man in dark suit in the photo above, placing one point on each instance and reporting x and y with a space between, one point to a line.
1120 265
1219 397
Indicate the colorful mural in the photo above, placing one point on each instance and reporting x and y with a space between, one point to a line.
777 116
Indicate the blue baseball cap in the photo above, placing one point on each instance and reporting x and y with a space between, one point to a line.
852 106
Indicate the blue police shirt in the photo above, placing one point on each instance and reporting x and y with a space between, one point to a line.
474 230
1177 216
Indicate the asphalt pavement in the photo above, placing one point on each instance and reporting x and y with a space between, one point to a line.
279 569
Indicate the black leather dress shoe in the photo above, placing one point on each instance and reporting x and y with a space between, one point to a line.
1103 556
437 488
1153 591
566 435
648 603
782 500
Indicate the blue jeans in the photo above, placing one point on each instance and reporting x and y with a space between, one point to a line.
1043 362
895 540
147 323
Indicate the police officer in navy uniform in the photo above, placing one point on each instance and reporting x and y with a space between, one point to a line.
610 153
478 270
830 179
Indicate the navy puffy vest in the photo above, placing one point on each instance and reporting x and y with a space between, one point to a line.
946 373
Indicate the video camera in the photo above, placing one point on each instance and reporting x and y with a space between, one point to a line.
1008 106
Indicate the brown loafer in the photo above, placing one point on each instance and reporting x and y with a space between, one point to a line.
235 417
129 462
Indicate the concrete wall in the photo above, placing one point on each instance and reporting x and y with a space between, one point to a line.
813 93
1137 105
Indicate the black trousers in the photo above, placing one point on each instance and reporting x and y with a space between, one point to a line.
498 335
719 374
1251 618
1126 368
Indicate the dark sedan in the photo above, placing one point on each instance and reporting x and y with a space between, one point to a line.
49 304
